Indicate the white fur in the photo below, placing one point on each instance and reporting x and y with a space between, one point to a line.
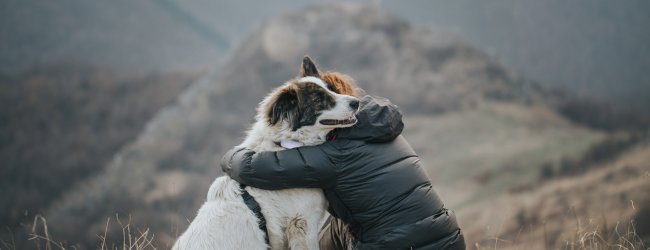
315 80
289 144
293 215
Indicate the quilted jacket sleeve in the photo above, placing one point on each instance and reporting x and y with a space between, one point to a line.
303 167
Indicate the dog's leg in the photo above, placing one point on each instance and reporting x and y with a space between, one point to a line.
277 235
313 232
296 232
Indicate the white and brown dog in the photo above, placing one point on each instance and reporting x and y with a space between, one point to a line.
303 110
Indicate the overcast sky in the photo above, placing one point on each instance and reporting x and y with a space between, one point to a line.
595 47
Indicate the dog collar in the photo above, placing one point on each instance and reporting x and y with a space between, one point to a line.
331 136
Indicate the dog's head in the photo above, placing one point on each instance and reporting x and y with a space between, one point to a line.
324 101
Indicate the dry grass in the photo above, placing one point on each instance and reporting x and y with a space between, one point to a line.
599 237
592 235
132 239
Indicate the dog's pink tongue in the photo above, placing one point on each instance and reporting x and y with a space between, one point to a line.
290 144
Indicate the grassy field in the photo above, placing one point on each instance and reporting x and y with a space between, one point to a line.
605 208
493 148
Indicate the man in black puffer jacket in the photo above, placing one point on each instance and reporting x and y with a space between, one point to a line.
372 178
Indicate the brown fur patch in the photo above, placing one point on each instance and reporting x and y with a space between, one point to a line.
298 103
339 83
282 103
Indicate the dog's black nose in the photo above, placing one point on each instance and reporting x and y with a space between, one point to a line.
354 104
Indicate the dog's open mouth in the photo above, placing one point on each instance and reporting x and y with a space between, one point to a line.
332 122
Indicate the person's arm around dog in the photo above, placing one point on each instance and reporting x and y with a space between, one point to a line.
281 169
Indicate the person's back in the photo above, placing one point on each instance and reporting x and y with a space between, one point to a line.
386 197
371 177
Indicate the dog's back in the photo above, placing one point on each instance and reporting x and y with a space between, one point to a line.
223 221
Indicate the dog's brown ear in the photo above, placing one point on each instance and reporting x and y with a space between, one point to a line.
340 83
283 107
308 68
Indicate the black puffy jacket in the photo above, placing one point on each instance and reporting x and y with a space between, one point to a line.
371 177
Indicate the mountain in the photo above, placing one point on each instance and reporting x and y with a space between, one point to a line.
480 130
60 124
596 48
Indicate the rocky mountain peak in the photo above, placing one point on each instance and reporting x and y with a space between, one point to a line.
419 70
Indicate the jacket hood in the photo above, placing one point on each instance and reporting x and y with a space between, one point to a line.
378 120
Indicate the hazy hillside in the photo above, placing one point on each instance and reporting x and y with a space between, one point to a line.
591 209
493 147
481 131
62 124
